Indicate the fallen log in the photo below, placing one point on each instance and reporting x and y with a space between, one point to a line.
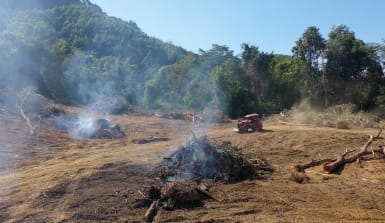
312 163
331 165
296 124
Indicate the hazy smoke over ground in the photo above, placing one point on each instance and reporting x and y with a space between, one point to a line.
94 81
19 65
94 86
342 116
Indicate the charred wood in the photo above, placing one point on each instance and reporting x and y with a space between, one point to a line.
149 140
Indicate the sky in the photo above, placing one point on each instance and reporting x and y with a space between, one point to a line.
271 25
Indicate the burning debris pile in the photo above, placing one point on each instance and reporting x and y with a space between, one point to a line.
201 159
83 127
187 174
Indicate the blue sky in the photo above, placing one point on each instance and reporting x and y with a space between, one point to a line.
272 25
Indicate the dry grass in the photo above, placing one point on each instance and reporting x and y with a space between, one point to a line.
328 124
58 179
330 117
342 125
299 177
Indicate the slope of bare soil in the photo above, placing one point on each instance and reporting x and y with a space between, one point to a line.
50 177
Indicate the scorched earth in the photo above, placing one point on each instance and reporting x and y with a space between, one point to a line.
52 177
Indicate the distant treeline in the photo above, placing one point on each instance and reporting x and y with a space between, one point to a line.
74 53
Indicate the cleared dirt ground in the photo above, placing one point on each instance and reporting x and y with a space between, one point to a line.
50 177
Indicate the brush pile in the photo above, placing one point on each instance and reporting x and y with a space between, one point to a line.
186 175
201 159
101 129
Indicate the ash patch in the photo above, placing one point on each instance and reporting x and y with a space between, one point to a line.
107 195
4 209
52 195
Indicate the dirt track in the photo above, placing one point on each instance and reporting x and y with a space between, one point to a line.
53 178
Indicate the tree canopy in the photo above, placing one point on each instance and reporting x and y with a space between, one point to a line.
74 53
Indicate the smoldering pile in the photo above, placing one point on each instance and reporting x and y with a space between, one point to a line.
86 127
187 174
202 159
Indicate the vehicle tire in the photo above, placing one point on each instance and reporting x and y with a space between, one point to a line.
259 127
242 129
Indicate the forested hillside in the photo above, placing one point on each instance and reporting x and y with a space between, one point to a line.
75 54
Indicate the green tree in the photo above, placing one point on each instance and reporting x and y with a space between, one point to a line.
309 50
287 85
233 88
352 67
257 66
167 88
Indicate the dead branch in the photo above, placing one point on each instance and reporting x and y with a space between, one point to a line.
378 134
31 128
331 165
141 193
203 189
193 134
22 97
152 211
